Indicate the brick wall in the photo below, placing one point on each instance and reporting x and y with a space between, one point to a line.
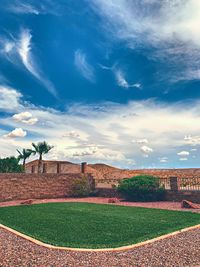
26 186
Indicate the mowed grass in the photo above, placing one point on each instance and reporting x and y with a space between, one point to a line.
82 225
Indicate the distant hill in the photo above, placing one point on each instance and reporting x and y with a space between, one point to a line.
103 167
104 171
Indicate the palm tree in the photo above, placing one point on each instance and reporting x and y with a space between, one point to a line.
41 148
24 154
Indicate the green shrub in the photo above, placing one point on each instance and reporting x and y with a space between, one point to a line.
81 187
141 188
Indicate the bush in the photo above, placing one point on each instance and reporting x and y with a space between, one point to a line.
141 188
81 187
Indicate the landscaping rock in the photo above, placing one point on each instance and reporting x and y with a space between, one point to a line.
189 205
113 200
27 202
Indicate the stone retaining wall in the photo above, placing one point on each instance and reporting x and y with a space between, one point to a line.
190 195
177 196
26 186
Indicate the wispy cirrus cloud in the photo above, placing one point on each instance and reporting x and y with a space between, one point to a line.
20 49
134 21
32 7
24 48
83 66
169 28
21 7
122 82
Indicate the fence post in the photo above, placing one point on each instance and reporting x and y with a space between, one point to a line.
83 167
174 183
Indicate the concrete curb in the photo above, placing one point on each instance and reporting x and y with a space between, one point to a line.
123 248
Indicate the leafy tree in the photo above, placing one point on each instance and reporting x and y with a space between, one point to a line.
41 148
10 164
24 154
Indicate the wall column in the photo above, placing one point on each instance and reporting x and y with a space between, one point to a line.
174 183
83 167
58 167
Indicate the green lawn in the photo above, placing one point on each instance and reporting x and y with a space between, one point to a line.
93 225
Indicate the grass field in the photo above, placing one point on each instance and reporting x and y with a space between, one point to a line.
93 225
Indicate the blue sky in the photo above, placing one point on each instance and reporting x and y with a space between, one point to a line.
114 81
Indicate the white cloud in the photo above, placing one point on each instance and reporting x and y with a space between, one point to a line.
23 8
172 27
183 159
8 47
71 134
52 7
9 99
152 21
25 117
122 82
31 121
107 129
137 85
163 160
146 150
19 50
141 141
183 153
17 132
80 61
192 140
24 50
83 153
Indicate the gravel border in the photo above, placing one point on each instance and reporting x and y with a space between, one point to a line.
169 205
122 248
182 250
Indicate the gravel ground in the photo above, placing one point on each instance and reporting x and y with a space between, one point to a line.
180 250
160 204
